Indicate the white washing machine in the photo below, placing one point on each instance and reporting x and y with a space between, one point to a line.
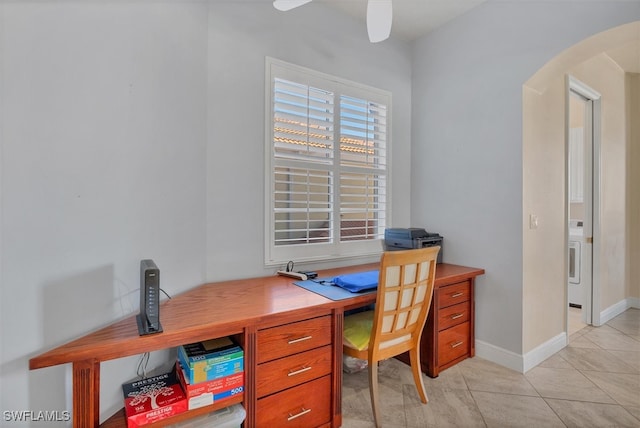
576 241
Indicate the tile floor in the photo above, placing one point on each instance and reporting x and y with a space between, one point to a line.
593 382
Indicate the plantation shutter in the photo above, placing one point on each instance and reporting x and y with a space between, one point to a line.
303 146
363 132
327 173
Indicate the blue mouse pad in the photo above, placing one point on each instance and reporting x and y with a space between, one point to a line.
328 289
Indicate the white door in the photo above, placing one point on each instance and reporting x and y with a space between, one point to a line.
583 129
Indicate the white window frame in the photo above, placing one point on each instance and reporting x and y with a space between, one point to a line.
279 255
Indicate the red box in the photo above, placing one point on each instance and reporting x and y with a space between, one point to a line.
152 399
205 393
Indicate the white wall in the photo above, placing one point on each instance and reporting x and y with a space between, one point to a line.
544 282
103 164
135 130
467 141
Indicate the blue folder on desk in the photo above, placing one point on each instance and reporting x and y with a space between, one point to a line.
343 286
358 282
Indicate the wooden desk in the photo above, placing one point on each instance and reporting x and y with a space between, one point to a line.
259 312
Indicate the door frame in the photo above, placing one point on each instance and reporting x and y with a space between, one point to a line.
591 231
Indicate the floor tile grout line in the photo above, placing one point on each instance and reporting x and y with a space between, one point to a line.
475 403
554 410
602 389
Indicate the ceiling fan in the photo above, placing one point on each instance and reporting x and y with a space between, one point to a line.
379 16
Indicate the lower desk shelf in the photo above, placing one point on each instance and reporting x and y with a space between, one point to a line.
119 420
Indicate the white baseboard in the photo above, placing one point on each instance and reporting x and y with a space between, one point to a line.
499 356
544 351
614 310
517 362
524 363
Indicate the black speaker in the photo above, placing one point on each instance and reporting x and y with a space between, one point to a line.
149 317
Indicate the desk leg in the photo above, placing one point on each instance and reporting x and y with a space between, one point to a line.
338 327
250 368
86 394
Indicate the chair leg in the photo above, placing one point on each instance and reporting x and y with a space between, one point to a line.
414 358
373 389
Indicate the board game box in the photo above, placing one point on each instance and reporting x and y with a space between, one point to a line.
205 393
152 399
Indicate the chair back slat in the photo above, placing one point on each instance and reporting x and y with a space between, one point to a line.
405 291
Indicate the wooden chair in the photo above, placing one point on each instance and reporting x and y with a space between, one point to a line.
405 291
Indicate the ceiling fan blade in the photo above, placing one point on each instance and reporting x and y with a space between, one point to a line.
285 5
379 18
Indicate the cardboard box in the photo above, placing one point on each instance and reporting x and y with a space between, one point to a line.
206 372
210 351
208 398
211 359
211 391
152 399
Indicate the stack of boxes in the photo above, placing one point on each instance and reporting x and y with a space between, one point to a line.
206 372
152 399
210 371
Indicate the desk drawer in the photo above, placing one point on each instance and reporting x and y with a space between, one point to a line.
304 406
453 315
286 372
292 338
453 343
454 294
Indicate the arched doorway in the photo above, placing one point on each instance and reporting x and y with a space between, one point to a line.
609 63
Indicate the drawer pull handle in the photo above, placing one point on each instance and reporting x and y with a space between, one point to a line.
455 345
302 370
297 415
456 316
301 339
458 294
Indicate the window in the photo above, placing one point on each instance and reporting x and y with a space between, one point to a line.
327 174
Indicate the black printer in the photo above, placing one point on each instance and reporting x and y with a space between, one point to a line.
412 237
